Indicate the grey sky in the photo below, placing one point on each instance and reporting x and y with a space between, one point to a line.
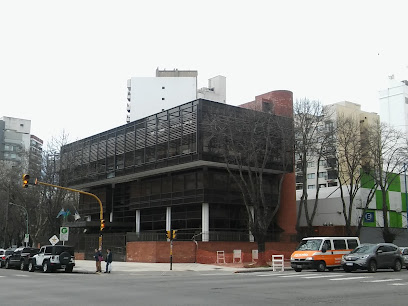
64 65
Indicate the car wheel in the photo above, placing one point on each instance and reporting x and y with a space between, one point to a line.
7 265
64 258
46 267
31 266
69 269
321 266
397 266
22 266
372 266
347 269
298 270
330 269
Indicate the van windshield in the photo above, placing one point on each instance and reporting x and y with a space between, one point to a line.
309 245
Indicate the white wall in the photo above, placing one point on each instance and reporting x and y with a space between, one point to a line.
149 96
393 109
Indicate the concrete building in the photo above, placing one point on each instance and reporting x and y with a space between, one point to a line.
163 172
330 207
14 139
149 95
394 105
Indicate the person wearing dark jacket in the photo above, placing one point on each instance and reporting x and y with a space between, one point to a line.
108 261
98 258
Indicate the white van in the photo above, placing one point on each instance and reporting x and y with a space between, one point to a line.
322 252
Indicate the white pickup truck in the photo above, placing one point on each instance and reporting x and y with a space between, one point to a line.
53 257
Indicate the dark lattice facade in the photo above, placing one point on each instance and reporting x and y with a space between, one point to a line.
164 160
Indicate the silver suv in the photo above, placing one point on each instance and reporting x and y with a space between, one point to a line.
53 257
371 257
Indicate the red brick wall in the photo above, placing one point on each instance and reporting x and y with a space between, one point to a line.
203 252
282 101
79 256
287 211
159 251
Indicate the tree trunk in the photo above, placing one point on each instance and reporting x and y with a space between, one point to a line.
261 251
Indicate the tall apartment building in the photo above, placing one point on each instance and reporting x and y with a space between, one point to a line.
17 145
327 175
148 95
394 105
14 139
329 219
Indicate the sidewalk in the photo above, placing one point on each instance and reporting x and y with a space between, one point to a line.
88 266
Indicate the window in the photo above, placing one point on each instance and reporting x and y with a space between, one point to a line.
352 244
310 164
323 175
327 245
322 163
310 175
311 186
162 99
322 186
339 244
163 87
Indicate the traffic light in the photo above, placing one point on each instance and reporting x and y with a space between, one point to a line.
102 224
26 178
168 234
174 234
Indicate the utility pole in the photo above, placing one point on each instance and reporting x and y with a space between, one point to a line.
27 181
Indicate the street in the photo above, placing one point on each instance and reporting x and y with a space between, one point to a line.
204 288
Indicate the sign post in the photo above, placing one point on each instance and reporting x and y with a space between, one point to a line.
64 233
26 239
54 240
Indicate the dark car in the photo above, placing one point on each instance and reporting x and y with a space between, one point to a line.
20 258
404 252
4 257
371 257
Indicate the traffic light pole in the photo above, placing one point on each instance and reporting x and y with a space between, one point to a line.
86 193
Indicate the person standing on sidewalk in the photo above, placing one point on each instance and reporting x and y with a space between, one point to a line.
98 258
108 261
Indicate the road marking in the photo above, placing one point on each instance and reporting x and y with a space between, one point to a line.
350 278
300 275
399 284
21 275
383 280
323 276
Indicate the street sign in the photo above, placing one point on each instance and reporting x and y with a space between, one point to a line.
26 238
54 240
64 232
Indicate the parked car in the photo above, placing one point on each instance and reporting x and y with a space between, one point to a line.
404 253
4 257
371 257
322 252
52 257
20 258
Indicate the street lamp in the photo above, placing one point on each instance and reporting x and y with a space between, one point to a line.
26 212
406 198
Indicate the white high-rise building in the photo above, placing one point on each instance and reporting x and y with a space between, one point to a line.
149 95
14 138
394 105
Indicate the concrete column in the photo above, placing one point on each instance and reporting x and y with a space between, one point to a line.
138 221
168 219
251 237
205 221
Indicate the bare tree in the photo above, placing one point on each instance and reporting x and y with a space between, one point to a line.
313 143
349 155
384 156
257 149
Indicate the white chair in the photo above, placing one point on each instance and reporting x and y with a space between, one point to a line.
237 254
220 257
278 262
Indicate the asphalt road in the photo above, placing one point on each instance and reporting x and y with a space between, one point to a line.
204 288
